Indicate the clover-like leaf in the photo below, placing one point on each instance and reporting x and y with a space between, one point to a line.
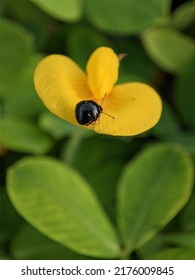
16 48
61 9
166 48
125 17
61 205
152 190
21 135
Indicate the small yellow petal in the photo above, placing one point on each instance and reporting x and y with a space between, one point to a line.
136 107
61 84
102 71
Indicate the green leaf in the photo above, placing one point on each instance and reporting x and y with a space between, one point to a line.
137 63
106 150
23 100
16 47
183 16
166 47
10 220
170 130
175 254
59 128
168 126
76 43
184 96
64 10
185 139
129 77
151 247
23 136
30 244
152 190
29 15
104 183
126 17
3 6
187 220
25 11
61 205
181 239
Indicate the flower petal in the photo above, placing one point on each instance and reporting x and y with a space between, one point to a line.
61 84
136 108
102 71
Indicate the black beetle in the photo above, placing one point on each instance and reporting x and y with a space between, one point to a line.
87 112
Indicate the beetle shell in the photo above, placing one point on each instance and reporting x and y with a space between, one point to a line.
87 112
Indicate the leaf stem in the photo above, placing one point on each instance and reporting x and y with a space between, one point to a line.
72 147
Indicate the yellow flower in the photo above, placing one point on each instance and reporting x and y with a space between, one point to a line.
61 84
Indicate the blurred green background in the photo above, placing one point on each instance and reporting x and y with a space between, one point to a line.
152 209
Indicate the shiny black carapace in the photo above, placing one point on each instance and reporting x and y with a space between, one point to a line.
87 112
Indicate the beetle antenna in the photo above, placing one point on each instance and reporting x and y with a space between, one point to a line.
103 98
101 105
108 115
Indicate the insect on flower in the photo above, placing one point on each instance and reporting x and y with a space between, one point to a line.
79 97
88 111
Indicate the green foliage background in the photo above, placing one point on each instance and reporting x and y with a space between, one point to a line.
68 193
